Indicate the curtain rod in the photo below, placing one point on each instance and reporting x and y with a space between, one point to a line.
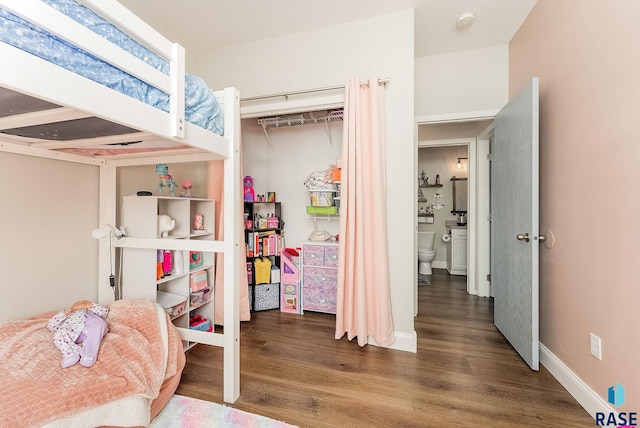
382 82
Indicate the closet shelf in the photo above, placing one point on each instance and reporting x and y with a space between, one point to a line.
300 119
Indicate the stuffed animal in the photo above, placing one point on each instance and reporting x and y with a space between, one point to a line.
165 179
78 332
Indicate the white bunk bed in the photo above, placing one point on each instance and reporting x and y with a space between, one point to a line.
160 137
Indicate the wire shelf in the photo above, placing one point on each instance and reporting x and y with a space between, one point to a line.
301 119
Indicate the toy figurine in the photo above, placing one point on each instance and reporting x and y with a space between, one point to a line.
186 186
249 193
165 225
424 180
198 222
78 331
165 179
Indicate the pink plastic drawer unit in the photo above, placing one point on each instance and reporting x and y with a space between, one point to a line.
331 256
313 255
320 300
198 280
320 278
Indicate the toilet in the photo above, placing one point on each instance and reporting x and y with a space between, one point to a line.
426 253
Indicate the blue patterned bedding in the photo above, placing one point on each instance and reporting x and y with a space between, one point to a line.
201 106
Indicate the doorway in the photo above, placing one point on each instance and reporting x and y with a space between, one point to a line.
443 168
473 133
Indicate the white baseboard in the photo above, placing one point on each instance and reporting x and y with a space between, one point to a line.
588 398
404 342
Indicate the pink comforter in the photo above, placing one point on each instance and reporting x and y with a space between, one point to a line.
132 362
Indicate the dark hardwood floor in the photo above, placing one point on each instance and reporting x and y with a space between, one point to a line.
464 373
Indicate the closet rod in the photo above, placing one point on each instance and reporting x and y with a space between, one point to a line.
310 91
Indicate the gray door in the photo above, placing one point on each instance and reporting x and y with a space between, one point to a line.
514 222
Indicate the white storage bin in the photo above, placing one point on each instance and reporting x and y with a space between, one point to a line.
173 304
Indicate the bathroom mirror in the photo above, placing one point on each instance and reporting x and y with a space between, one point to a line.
459 195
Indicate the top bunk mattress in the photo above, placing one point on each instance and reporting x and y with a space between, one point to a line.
201 106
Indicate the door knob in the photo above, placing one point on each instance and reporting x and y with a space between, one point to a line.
521 237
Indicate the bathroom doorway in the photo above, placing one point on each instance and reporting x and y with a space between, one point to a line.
442 200
454 139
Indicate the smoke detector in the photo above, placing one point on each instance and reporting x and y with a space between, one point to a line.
465 20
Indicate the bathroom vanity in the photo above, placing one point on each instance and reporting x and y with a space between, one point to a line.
456 248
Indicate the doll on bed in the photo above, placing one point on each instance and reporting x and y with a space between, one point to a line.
78 331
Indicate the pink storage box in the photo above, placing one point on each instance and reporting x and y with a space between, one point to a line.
198 322
289 272
198 280
273 222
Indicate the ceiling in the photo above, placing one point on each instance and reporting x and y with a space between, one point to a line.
202 25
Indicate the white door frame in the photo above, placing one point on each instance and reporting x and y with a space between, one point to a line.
478 222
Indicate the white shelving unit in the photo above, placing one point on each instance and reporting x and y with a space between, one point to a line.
140 264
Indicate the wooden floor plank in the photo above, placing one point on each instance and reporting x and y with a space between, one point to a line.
464 373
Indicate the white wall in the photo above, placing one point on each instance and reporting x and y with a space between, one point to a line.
297 151
48 258
380 46
465 81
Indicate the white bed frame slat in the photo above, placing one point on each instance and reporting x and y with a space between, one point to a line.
66 28
40 117
132 25
177 156
233 210
176 107
213 339
91 142
78 96
22 149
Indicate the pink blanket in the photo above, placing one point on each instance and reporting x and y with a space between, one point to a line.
132 362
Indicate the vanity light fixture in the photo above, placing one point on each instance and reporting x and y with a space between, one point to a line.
459 164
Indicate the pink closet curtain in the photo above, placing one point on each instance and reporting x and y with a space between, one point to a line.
216 192
363 297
